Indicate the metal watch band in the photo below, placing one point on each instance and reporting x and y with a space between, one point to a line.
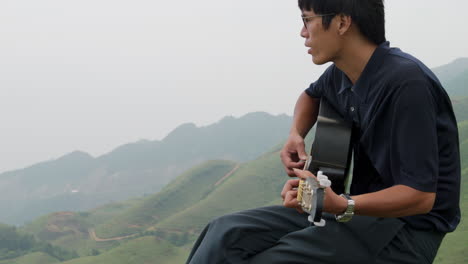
348 214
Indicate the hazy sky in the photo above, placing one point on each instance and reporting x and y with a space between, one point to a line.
91 75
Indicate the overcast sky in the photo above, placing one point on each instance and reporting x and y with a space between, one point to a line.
91 75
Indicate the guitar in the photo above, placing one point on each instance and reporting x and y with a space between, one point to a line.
329 160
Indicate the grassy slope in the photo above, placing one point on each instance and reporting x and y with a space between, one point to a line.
460 106
33 258
454 246
180 194
143 250
254 184
70 230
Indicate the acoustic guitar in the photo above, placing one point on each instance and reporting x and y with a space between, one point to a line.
329 160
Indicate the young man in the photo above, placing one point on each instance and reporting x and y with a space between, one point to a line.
406 177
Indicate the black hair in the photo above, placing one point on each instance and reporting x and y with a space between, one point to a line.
368 15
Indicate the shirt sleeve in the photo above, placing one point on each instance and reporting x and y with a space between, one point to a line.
414 150
317 89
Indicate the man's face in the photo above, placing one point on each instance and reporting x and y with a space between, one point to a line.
323 44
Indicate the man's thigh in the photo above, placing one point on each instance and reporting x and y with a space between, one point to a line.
357 241
235 237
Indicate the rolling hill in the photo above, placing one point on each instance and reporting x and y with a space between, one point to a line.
164 224
77 181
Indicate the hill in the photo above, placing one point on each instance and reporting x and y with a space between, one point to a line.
460 106
70 230
33 258
453 248
146 250
165 224
454 77
77 181
18 245
185 191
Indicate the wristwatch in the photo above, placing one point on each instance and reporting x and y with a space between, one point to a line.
348 214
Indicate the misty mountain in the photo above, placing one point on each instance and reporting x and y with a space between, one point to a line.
454 77
77 181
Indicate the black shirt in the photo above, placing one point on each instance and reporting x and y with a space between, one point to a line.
406 132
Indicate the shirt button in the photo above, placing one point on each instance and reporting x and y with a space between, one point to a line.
352 108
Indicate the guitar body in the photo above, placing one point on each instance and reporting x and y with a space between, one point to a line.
329 161
331 149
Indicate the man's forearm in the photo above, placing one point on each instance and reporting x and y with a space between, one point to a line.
305 114
396 201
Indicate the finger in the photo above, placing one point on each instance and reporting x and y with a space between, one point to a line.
297 165
301 152
288 186
290 172
293 165
303 174
290 200
290 161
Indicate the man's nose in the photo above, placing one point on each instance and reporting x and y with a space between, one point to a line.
304 33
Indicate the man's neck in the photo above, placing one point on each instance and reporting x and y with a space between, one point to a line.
354 58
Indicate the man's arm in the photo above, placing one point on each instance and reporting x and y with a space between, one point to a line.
305 115
396 201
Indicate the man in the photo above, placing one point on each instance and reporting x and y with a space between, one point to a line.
406 177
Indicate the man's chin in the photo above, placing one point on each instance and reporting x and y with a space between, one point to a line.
318 61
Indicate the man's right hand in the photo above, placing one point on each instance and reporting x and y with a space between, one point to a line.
293 154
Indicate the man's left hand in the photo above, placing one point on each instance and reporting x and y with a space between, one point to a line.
333 203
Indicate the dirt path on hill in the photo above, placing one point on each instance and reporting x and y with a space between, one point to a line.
227 175
92 234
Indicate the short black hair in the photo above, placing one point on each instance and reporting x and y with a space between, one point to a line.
369 15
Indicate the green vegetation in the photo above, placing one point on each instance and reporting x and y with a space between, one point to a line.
164 225
182 193
454 247
254 184
460 106
71 230
14 244
33 258
146 250
79 182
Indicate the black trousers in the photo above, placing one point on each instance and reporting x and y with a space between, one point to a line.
275 234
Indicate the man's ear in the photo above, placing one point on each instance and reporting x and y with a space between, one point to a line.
344 24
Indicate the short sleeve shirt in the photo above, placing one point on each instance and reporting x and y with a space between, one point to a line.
405 131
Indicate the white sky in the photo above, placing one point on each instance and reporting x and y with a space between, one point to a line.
91 75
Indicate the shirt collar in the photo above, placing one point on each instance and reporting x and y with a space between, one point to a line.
361 87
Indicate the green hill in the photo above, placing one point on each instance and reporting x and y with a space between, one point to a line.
454 77
145 250
70 230
182 193
254 184
18 245
33 258
166 223
460 106
77 181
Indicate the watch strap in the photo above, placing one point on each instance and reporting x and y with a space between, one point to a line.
349 212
